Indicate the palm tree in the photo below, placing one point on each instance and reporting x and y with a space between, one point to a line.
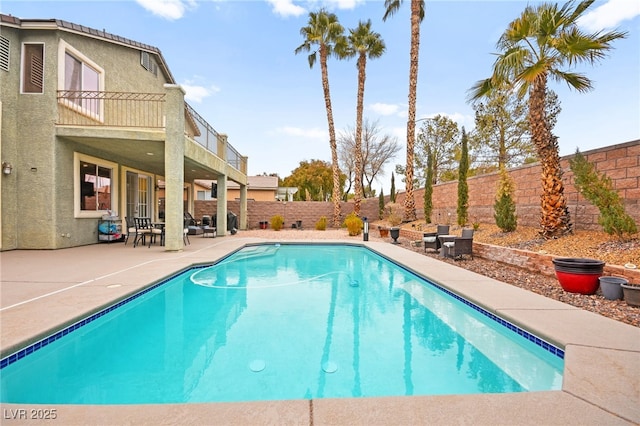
326 35
417 15
544 42
362 42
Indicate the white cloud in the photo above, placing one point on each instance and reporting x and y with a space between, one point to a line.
304 133
610 14
344 4
168 9
384 109
286 8
198 93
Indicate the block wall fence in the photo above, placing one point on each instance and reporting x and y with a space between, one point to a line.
619 162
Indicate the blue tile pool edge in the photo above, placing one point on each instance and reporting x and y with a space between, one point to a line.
16 356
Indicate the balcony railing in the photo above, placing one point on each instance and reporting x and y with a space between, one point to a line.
139 110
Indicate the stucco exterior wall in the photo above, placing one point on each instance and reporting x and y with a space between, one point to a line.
38 197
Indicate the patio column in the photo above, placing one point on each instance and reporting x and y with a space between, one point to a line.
242 219
174 167
221 205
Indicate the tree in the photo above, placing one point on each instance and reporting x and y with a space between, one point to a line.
312 178
501 136
463 187
381 205
377 150
428 188
364 43
392 196
417 15
326 35
439 135
540 44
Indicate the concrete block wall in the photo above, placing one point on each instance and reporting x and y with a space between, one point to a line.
309 212
619 162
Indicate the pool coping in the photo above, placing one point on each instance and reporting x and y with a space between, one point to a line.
601 383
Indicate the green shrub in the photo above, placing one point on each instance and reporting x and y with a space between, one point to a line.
353 224
505 213
505 208
277 222
598 189
321 224
381 205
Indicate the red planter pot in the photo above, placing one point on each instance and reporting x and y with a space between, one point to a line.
578 275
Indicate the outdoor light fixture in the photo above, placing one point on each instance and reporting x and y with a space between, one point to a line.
6 168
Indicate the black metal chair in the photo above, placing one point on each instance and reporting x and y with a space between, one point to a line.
460 246
142 229
431 240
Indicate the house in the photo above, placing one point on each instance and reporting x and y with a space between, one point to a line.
259 188
90 124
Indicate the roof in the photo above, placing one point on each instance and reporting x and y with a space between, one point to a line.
59 24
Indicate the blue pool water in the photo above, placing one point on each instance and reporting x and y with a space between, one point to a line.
275 322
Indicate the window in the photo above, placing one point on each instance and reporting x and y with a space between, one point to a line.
148 64
95 183
33 68
83 78
4 54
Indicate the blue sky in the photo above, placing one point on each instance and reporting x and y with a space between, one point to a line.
236 61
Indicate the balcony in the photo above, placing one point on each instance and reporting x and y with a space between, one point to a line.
139 111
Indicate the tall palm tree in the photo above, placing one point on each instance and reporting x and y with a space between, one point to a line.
417 15
544 42
364 43
325 34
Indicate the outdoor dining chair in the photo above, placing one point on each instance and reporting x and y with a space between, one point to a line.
460 246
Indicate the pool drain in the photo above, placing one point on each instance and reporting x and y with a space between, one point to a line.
329 367
257 365
354 283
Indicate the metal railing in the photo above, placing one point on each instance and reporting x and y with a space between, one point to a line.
139 110
117 109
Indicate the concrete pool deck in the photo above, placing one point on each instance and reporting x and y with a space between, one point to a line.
42 291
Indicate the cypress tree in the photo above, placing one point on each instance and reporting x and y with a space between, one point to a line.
381 205
392 196
428 187
463 187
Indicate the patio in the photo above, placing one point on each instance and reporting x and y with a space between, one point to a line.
44 290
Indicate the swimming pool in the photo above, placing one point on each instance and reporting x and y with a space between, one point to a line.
300 322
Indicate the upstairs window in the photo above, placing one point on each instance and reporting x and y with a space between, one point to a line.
33 68
82 79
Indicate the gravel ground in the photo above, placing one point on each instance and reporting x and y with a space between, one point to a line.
618 310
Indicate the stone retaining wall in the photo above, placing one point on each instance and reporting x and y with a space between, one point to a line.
528 260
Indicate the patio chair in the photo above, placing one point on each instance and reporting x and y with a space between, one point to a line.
192 224
460 246
185 232
143 228
131 229
431 240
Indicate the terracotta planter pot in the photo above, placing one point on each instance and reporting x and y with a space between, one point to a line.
384 232
577 275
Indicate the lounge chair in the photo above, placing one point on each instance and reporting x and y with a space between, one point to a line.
431 240
460 246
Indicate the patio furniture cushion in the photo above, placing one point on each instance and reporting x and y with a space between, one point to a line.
429 239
